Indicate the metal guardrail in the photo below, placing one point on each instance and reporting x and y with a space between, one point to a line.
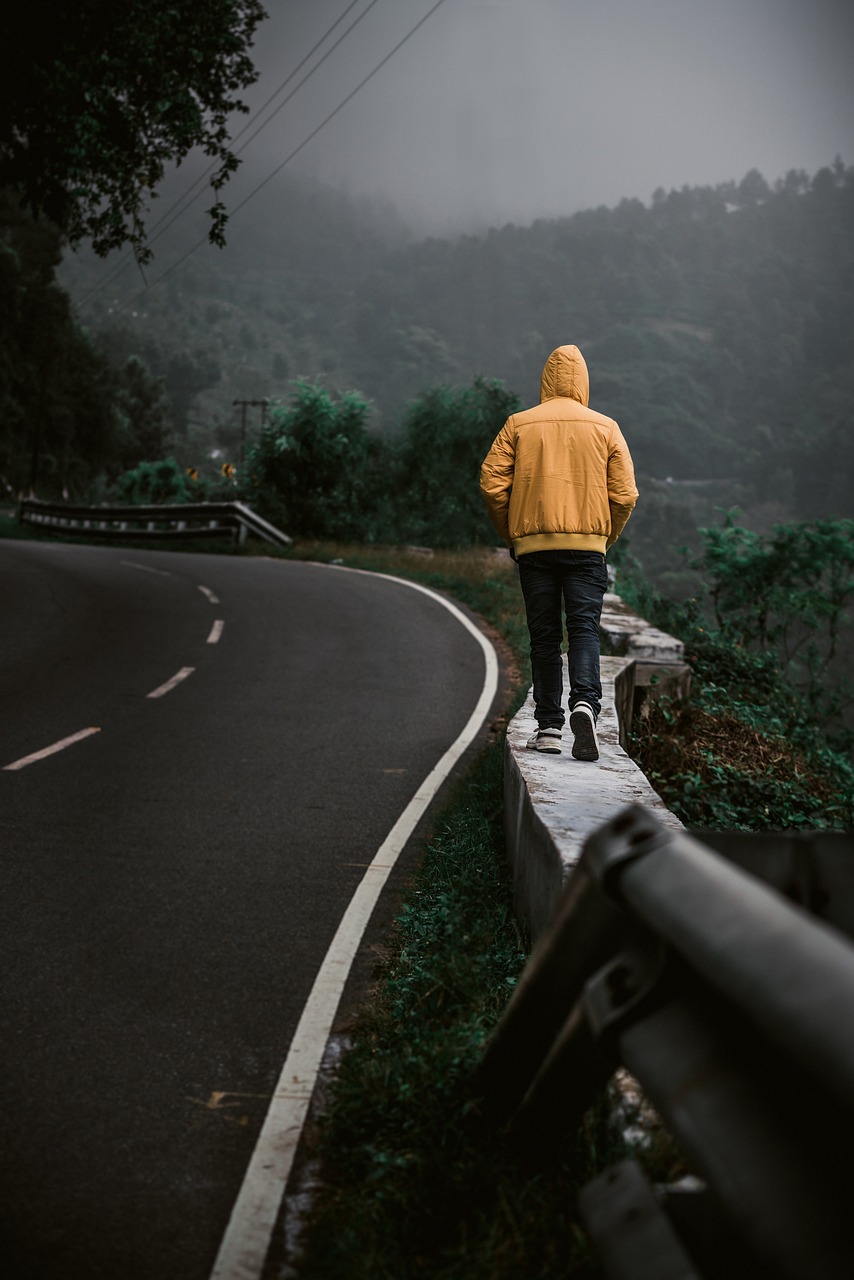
178 521
732 1006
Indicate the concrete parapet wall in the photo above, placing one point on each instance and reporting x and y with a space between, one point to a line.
626 633
660 658
553 802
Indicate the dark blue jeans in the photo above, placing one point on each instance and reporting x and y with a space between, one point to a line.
574 581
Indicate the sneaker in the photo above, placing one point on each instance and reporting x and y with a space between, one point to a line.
547 740
582 722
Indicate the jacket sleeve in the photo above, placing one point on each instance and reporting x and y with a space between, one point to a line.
496 479
622 490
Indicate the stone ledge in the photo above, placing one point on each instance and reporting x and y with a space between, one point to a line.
627 634
660 666
552 803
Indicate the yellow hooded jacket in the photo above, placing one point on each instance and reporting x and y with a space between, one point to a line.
559 476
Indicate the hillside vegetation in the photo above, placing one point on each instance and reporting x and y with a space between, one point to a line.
718 324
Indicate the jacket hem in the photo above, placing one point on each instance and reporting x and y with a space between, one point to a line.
560 542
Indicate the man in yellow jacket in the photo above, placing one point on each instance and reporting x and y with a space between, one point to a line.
559 486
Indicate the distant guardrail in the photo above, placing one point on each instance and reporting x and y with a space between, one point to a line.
725 986
179 521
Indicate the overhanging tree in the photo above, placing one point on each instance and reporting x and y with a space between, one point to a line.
96 98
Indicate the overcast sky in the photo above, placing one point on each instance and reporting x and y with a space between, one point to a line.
497 112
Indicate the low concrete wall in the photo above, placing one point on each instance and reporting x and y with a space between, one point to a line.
660 665
553 802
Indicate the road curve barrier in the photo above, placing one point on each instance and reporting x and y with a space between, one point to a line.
718 972
552 803
166 522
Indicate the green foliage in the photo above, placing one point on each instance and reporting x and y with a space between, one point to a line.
730 370
735 314
142 410
174 374
748 750
58 427
788 593
723 763
186 373
718 321
96 101
446 435
156 482
311 471
318 473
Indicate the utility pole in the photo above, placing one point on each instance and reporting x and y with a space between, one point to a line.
244 405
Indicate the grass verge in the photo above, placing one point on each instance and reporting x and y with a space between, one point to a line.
410 1182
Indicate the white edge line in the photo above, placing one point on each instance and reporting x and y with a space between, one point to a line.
216 631
171 683
206 591
245 1244
52 750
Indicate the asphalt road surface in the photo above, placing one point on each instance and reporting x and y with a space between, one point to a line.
171 880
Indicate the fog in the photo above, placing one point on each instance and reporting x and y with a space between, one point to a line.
497 112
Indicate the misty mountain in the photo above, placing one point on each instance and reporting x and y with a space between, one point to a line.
718 322
718 325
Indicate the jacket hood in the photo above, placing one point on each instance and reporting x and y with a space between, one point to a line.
565 374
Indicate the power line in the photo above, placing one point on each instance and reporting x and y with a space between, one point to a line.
188 198
350 96
185 199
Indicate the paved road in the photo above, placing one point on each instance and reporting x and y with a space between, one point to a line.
170 883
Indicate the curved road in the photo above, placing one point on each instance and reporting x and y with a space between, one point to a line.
171 882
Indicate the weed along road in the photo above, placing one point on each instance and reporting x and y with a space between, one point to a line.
200 758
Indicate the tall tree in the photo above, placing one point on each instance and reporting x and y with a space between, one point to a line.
96 98
57 424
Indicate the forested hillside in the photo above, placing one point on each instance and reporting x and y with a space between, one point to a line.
65 411
718 324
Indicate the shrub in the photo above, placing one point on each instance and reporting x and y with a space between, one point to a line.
155 482
310 471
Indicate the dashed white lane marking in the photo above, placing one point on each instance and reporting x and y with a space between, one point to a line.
206 591
216 631
131 564
247 1237
170 684
52 750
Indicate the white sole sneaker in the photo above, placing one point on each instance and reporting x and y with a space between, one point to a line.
547 740
582 722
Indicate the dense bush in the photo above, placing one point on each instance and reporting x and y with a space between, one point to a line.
446 435
788 594
761 743
319 473
312 469
156 482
